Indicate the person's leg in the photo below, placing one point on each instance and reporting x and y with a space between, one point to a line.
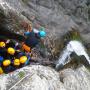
11 35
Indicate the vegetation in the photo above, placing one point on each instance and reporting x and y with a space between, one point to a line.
21 74
25 1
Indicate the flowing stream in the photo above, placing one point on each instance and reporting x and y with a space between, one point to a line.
73 46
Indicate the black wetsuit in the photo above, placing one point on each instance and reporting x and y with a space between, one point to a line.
5 33
32 40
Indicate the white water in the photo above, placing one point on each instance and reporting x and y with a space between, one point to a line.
72 46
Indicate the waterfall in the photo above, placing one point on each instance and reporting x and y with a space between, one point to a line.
73 46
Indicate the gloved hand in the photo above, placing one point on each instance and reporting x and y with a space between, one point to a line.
7 41
16 44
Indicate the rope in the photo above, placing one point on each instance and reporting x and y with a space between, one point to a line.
19 81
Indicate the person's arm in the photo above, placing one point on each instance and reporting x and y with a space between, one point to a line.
7 41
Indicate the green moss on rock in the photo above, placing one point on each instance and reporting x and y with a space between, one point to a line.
21 74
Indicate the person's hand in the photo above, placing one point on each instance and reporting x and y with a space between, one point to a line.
7 41
16 44
18 51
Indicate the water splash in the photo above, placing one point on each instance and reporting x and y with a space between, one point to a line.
72 46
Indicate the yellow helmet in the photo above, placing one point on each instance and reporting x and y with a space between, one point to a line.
17 62
6 62
1 71
11 50
2 44
23 59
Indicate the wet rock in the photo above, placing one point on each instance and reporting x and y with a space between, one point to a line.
78 79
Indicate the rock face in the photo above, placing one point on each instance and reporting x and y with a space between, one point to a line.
79 11
38 77
34 77
76 79
57 15
46 13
